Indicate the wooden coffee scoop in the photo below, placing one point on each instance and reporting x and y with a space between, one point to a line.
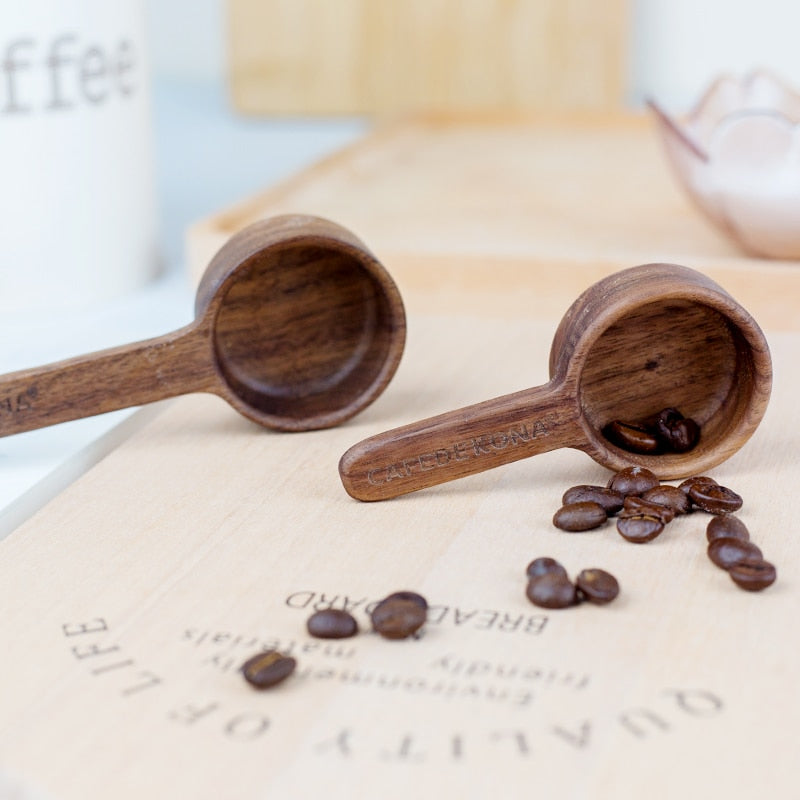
640 340
296 325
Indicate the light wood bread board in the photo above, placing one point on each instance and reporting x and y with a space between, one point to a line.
396 56
203 537
131 600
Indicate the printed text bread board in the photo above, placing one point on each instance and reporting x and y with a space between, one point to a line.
132 598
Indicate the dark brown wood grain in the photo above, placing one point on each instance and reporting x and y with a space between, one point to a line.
298 326
308 327
637 341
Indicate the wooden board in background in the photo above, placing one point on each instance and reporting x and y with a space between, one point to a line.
399 56
488 201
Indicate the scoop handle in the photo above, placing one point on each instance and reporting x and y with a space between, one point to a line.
108 380
461 443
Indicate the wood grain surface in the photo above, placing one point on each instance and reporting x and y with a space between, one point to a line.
132 599
396 56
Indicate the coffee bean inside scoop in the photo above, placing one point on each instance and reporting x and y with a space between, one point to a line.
675 432
668 431
632 437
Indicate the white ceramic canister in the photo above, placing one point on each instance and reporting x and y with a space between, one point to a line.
77 199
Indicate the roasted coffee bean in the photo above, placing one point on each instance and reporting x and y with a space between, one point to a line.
633 480
714 499
398 618
700 480
639 529
332 623
580 516
727 551
406 595
753 575
551 590
597 586
544 566
675 432
268 668
631 437
684 435
608 498
639 507
670 496
668 431
726 526
664 420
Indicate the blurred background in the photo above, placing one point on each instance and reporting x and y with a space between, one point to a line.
243 69
123 123
241 93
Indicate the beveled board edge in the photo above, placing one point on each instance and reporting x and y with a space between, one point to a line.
543 285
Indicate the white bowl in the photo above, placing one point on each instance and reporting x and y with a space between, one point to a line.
737 154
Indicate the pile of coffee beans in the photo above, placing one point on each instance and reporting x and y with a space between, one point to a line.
644 507
549 585
398 616
666 432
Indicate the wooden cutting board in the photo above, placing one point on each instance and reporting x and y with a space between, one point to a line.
131 600
396 56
